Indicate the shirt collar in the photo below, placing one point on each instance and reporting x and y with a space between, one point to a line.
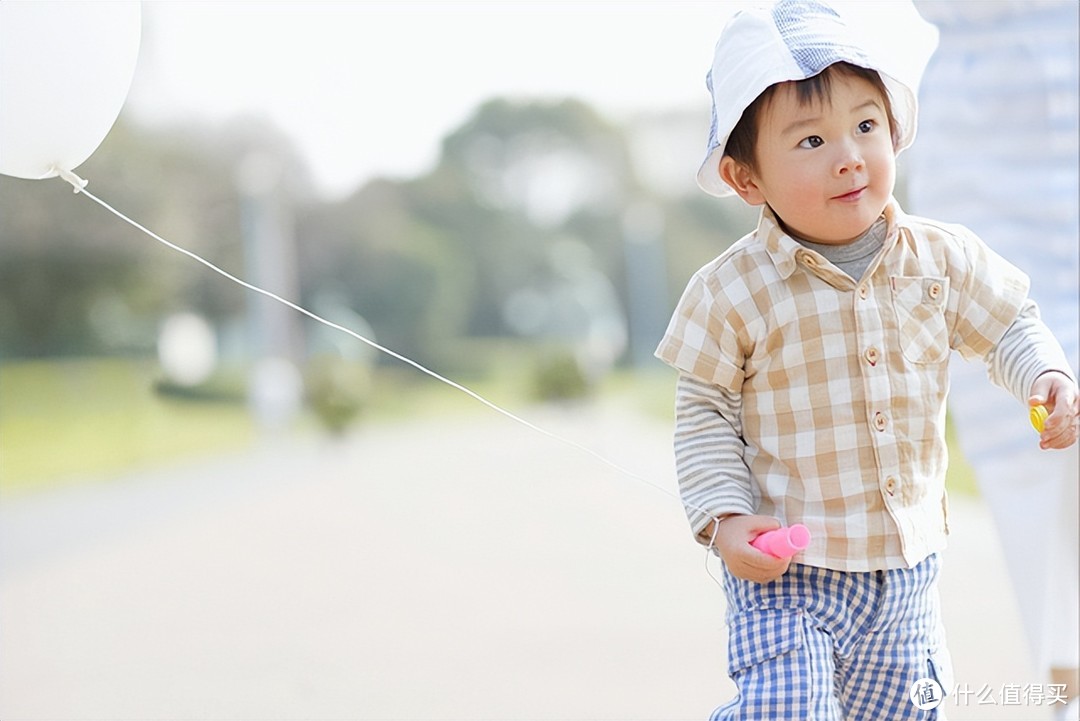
783 249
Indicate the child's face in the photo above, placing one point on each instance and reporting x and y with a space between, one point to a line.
827 169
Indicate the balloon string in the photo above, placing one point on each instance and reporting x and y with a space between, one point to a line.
80 187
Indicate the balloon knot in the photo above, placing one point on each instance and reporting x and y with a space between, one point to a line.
76 182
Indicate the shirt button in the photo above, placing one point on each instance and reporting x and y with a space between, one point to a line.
872 356
934 291
863 292
880 421
890 486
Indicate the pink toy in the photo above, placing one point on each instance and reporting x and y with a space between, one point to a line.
783 542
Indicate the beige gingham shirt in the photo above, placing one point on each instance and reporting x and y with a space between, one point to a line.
840 384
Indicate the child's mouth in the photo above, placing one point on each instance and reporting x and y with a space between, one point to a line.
852 195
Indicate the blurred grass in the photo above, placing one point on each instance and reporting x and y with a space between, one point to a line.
82 420
961 476
77 420
62 421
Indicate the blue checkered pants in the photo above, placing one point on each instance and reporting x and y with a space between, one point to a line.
823 645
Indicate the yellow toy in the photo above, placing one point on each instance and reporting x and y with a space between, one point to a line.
1038 417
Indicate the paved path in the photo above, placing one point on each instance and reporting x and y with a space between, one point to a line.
458 569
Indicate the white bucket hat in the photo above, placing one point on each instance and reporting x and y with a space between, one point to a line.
797 39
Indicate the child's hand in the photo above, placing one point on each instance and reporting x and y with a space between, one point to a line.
1057 392
743 560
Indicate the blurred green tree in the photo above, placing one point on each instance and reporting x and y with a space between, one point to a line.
437 257
74 280
524 194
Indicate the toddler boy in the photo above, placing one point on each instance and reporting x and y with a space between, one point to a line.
813 362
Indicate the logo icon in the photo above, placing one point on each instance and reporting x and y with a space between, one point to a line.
926 694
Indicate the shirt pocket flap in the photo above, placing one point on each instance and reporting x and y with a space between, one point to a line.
920 303
761 635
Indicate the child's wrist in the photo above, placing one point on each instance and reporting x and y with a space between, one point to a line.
709 533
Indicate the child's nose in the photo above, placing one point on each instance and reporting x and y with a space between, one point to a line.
849 159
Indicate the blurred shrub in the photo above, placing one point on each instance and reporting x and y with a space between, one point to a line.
225 386
337 390
559 377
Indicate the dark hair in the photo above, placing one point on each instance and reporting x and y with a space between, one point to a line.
741 142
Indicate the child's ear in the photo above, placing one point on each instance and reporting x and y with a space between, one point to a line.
740 177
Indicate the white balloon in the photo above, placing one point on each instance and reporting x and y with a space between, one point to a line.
65 70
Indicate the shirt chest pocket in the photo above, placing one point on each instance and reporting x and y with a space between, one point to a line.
919 303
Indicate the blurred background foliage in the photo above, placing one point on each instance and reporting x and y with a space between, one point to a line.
524 196
537 260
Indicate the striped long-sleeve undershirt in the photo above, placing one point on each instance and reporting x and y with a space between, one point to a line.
1023 352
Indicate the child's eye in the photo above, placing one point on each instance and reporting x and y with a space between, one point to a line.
813 141
866 126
